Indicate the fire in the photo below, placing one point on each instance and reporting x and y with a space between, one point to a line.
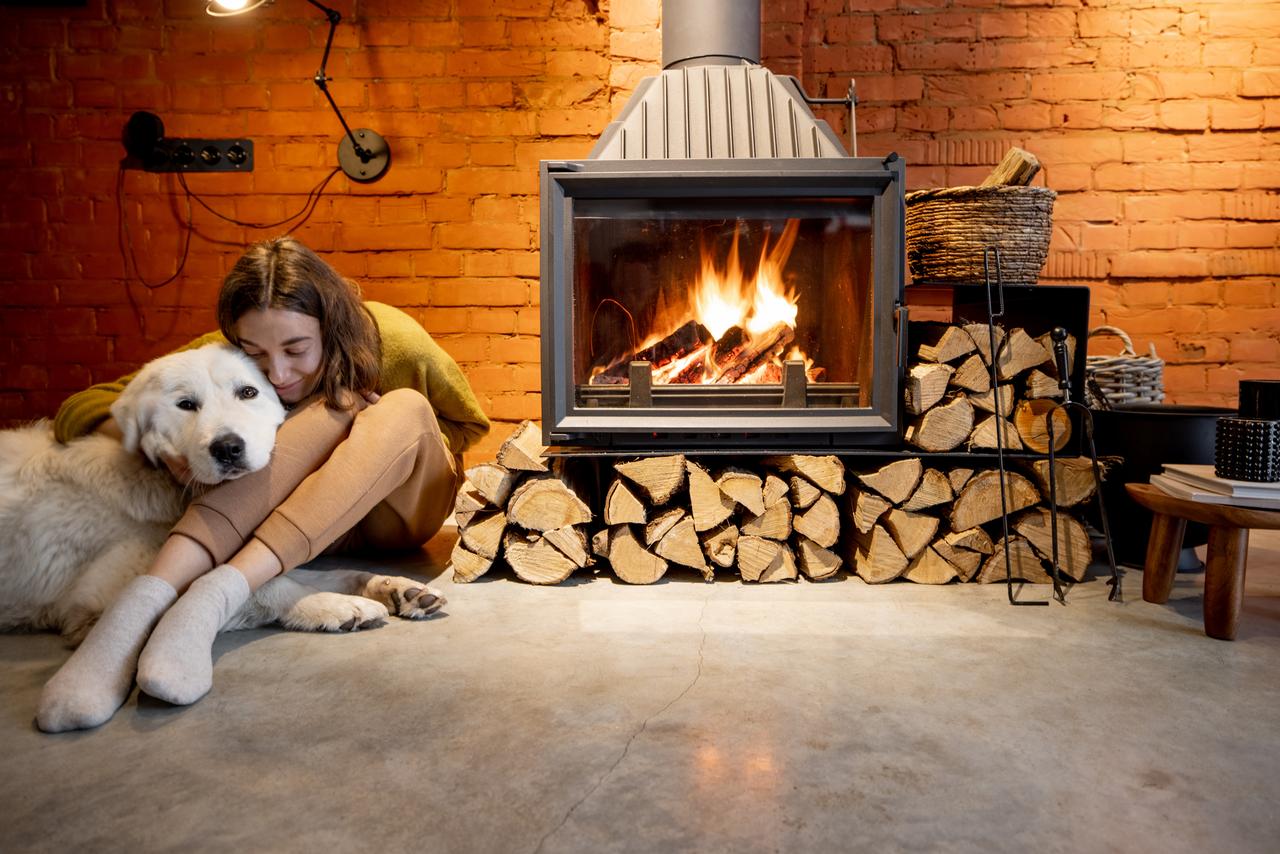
734 326
724 299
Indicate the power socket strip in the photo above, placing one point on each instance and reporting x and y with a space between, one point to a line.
198 155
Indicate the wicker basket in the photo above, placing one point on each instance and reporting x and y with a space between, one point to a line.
949 230
1124 379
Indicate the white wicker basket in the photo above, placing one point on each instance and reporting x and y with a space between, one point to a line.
1124 379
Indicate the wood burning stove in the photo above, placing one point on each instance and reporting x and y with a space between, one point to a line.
721 302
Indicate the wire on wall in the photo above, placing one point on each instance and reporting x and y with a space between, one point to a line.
133 272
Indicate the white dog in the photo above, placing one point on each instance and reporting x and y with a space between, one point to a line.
78 521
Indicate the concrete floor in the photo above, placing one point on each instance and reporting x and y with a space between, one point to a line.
687 717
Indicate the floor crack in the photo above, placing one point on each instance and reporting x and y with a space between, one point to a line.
626 748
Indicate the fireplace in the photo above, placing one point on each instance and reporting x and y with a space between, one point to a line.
719 274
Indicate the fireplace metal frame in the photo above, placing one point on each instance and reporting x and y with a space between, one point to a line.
565 423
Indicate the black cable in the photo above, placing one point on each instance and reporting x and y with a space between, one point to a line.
308 207
125 238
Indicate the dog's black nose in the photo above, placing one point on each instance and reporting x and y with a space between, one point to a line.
227 449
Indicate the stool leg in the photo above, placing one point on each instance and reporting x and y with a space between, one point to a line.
1162 557
1224 581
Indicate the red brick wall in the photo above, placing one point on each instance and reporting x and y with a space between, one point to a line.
1156 124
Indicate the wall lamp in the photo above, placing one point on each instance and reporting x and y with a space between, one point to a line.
362 154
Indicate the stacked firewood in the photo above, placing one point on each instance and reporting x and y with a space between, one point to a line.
522 510
930 525
770 522
768 519
952 402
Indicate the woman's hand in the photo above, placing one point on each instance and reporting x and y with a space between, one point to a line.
109 427
178 468
371 397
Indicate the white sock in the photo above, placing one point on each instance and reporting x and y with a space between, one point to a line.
177 664
96 680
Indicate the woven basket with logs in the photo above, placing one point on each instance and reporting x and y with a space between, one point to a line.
768 519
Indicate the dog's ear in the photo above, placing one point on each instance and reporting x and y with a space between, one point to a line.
130 413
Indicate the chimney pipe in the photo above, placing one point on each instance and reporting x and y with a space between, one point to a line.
710 32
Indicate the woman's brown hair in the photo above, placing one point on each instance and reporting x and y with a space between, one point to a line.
283 273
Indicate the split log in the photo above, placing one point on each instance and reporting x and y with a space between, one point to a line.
973 539
658 528
943 427
987 400
1020 353
493 482
523 449
958 477
775 489
622 507
720 545
756 556
630 560
934 489
773 524
544 503
659 478
1015 169
782 569
825 471
467 503
1075 550
817 563
572 543
964 562
534 559
1073 480
895 481
980 334
708 504
1031 418
743 487
820 523
929 567
943 343
867 510
600 543
926 384
680 545
911 531
755 350
979 501
877 558
1039 384
484 535
993 432
972 375
1023 562
803 492
467 566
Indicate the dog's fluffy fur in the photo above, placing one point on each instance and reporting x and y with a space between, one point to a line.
78 521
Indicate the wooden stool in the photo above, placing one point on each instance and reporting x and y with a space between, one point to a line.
1228 547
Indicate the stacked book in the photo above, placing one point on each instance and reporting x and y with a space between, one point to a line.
1199 483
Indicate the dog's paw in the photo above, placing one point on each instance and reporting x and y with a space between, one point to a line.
404 597
334 612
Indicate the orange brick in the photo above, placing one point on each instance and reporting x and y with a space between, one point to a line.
1255 349
1146 264
1236 115
1146 294
512 292
1182 378
1153 235
1118 176
1249 293
1253 234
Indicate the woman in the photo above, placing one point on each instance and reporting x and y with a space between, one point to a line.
369 457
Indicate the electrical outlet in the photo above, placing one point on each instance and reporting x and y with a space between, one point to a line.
199 155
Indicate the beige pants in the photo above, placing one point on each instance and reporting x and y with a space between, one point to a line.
377 478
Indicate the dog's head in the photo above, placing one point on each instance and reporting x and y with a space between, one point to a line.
210 406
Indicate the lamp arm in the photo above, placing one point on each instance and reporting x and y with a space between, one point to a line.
321 78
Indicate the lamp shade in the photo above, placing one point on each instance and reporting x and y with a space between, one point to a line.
227 8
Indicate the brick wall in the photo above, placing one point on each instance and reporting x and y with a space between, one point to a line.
1156 123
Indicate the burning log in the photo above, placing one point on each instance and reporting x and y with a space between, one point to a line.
689 338
747 357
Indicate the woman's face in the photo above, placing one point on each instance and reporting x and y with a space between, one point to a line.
287 347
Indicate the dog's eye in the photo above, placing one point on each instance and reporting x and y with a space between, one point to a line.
247 392
188 404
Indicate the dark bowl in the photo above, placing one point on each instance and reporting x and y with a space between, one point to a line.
1145 437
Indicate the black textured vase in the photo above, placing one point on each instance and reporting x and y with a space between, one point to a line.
1247 449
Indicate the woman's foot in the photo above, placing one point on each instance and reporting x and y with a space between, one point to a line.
97 678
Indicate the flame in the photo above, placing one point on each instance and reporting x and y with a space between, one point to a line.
724 299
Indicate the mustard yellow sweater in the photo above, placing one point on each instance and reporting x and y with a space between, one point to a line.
410 359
